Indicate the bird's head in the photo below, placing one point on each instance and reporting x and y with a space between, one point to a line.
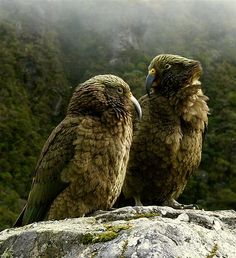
104 94
168 73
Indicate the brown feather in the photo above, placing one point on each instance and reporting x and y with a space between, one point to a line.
167 142
82 165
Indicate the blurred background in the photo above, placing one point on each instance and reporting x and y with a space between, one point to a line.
48 47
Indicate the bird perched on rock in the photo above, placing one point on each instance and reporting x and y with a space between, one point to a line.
83 163
167 142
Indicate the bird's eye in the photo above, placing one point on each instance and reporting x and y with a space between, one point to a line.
120 90
152 71
167 66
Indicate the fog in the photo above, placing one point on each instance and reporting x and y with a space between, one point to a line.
140 23
203 29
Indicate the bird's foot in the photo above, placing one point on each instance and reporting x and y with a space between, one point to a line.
176 205
137 201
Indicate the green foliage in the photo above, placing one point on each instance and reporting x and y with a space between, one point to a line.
47 48
31 82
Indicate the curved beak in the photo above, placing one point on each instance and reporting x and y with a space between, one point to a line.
149 80
137 106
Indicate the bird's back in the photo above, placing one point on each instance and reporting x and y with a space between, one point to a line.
47 183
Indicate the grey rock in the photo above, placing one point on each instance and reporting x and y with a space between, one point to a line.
136 232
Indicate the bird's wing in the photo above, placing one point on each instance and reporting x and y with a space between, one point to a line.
47 184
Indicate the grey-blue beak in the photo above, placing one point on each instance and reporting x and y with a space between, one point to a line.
149 80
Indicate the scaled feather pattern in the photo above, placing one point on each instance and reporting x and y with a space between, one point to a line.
167 142
82 165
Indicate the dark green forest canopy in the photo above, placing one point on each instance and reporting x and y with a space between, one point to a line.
48 47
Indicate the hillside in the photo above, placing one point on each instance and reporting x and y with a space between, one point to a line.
48 47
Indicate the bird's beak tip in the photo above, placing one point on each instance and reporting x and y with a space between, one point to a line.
137 106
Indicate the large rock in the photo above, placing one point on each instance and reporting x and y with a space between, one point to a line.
127 232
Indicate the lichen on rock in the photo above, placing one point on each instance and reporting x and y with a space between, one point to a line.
150 231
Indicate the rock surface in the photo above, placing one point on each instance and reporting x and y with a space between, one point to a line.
127 232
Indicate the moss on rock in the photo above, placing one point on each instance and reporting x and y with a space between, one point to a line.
111 233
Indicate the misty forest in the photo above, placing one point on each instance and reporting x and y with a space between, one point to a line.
48 47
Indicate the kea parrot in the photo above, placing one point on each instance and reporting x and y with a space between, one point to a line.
83 163
167 141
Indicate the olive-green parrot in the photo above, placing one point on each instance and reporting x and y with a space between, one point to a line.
83 163
167 141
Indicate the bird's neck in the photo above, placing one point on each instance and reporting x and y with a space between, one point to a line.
190 104
114 118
